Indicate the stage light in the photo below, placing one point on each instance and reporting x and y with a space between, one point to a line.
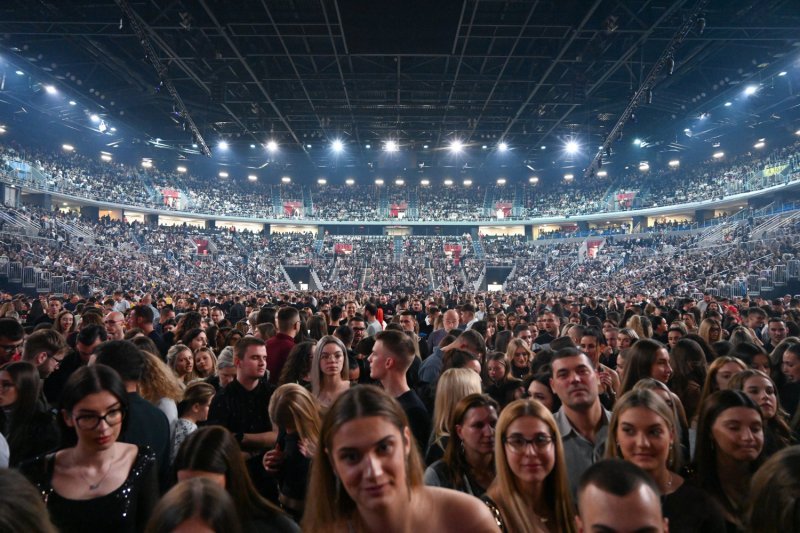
73 102
501 181
20 73
50 89
308 146
670 65
467 183
399 182
181 169
533 179
425 183
502 147
112 129
147 164
337 146
728 104
782 73
272 146
102 127
322 181
368 146
750 90
759 145
379 181
637 142
644 166
94 118
797 132
484 147
223 174
286 179
543 147
456 146
350 181
718 155
67 147
2 129
252 146
448 182
390 146
569 177
572 147
105 157
252 177
602 174
424 146
223 145
674 163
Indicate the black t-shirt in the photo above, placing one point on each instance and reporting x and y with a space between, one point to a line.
418 418
240 410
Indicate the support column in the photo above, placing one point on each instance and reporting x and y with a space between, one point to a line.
90 213
151 220
43 200
11 195
702 215
211 224
583 226
267 229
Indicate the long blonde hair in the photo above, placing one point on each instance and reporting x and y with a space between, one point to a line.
293 406
159 381
506 493
454 385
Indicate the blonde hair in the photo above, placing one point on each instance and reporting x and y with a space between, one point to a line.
159 381
644 397
210 352
514 345
636 323
504 490
705 328
454 385
710 385
172 359
293 406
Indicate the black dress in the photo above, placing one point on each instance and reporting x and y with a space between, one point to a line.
124 510
690 509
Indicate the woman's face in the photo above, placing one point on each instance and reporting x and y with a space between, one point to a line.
97 420
66 321
331 359
369 456
203 362
521 358
644 438
202 412
624 341
761 362
673 337
762 391
8 390
661 369
511 320
234 339
531 463
738 434
621 367
490 329
184 363
477 430
200 341
714 333
725 373
541 393
496 370
501 321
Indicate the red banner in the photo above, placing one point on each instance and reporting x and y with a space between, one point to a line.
505 207
293 209
202 246
343 248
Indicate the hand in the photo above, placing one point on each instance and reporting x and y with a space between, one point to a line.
308 448
605 380
273 459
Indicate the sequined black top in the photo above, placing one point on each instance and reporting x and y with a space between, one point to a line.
127 509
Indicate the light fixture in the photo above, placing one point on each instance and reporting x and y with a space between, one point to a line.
782 73
797 132
379 181
602 174
572 147
368 146
252 177
350 181
674 163
502 147
390 146
252 146
456 146
337 146
223 174
272 146
425 183
73 102
286 179
102 126
424 146
181 169
718 155
105 157
50 89
484 147
448 182
147 164
223 145
543 147
67 147
20 73
399 182
644 166
637 142
2 129
728 104
533 179
467 183
308 146
501 181
750 90
94 118
759 145
569 177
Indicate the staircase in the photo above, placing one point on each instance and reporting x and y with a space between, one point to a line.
277 202
316 283
477 245
488 201
413 204
398 249
78 233
286 277
308 202
383 201
365 273
518 206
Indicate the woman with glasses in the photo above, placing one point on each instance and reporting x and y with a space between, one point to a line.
330 374
531 492
97 484
25 423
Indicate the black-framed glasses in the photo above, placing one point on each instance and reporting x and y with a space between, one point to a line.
519 444
58 360
90 422
11 348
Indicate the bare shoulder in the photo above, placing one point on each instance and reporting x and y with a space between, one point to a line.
454 511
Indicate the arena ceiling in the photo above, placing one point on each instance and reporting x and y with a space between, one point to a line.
529 73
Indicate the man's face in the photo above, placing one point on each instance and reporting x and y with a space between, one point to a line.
467 316
378 360
550 324
450 320
612 339
416 306
350 310
253 364
203 310
114 323
407 322
575 382
756 320
217 316
526 336
358 330
85 351
777 331
9 349
166 315
51 364
53 308
602 511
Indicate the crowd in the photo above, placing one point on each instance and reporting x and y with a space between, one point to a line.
337 410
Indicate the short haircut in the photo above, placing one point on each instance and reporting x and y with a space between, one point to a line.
345 334
145 313
520 328
371 308
569 352
400 346
756 311
11 329
89 334
474 339
776 319
468 308
122 356
287 316
46 340
617 477
244 343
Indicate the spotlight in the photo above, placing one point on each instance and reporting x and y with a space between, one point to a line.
105 157
718 155
2 129
644 166
543 147
252 146
669 64
223 174
569 177
425 183
147 164
728 104
533 179
501 181
782 73
223 145
390 146
379 181
602 174
252 177
367 146
759 145
337 146
20 73
424 146
674 163
502 147
322 181
272 146
467 183
399 182
73 102
67 147
448 182
456 146
286 179
350 181
637 142
572 147
750 90
181 169
94 118
50 89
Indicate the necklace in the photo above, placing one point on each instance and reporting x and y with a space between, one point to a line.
95 486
